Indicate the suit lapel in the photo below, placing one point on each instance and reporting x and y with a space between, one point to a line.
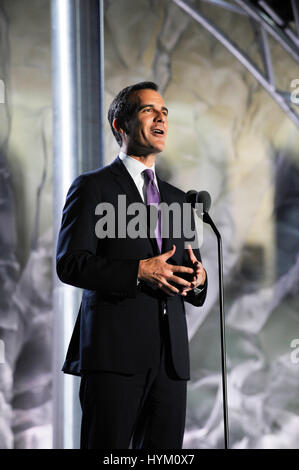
129 188
126 182
166 242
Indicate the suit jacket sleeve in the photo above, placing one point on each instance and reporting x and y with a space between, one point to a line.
77 260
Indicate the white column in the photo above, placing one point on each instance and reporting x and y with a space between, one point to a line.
77 73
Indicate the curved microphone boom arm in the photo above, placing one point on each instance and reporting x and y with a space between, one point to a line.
204 198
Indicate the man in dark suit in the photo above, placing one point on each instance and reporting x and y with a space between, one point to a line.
130 343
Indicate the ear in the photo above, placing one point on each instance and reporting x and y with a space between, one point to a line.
116 126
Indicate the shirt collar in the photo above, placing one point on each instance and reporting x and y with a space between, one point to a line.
135 167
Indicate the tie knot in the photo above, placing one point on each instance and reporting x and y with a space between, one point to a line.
149 174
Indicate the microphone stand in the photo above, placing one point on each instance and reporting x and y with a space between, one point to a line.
206 218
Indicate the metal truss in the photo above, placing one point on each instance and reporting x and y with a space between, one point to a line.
266 21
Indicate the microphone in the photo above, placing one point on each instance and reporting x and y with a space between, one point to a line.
204 198
201 197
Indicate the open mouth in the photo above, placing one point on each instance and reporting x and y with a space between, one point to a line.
158 132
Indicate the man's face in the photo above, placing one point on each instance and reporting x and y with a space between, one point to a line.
147 129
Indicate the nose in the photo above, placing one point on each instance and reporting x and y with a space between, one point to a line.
160 116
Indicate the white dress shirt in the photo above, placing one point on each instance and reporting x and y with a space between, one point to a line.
135 168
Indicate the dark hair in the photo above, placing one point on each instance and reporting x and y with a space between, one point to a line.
123 107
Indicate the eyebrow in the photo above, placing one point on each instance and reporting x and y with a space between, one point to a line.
151 106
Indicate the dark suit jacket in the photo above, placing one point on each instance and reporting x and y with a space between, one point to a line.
117 328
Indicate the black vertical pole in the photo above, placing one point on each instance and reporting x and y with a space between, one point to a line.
207 219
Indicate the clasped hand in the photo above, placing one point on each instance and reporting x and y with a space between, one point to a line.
158 273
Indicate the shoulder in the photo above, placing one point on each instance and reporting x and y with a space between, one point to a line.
87 187
92 178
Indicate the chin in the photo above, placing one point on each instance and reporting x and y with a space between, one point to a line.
160 148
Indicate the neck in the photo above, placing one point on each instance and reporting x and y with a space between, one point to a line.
147 160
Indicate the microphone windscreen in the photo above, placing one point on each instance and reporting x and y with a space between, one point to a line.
191 197
202 197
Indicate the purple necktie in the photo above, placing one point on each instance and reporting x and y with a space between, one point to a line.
153 197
